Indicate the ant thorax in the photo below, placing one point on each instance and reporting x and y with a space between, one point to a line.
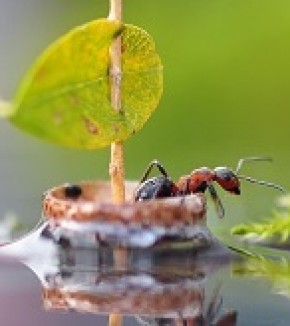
200 178
197 181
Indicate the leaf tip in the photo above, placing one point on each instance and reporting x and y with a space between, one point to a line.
6 109
240 229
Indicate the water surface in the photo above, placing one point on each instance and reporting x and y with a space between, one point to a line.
41 282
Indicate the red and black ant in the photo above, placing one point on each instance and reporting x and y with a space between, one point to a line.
199 180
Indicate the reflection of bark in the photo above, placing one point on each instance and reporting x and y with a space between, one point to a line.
163 284
131 293
126 303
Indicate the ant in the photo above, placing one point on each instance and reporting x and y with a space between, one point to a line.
199 180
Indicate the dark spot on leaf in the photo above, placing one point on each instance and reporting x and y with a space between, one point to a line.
73 191
123 48
91 127
41 74
57 117
74 100
116 129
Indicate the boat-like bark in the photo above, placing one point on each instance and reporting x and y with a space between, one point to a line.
83 213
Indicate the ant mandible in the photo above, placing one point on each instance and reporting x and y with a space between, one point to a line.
199 180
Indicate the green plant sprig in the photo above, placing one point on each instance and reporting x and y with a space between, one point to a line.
274 231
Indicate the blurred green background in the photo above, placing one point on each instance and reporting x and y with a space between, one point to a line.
226 96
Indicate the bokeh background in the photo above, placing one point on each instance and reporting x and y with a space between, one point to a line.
226 96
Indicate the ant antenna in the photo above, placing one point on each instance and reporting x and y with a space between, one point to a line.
218 204
250 159
261 182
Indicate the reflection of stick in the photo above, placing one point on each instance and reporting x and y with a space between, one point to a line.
117 162
115 320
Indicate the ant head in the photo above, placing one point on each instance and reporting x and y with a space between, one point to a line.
227 179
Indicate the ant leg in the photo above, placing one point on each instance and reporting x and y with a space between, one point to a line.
216 200
160 186
149 169
250 159
142 321
214 306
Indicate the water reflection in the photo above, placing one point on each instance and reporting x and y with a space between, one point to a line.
156 286
208 286
156 283
126 292
276 271
170 289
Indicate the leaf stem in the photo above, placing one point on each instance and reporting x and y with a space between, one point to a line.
117 162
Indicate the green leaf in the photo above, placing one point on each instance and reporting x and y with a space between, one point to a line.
65 97
241 229
275 231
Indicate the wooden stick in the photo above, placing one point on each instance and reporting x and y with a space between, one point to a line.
117 162
117 173
116 169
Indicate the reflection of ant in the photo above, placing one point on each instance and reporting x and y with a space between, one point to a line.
210 316
199 180
207 318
